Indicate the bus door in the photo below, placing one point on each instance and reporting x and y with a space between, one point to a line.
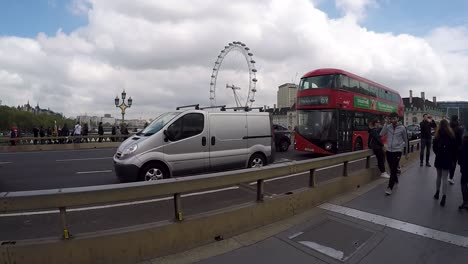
345 131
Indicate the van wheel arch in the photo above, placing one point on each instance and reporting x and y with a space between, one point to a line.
156 164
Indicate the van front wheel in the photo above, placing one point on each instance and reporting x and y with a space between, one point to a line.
257 160
154 172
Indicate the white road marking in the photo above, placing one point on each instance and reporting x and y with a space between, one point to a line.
83 159
357 160
295 235
281 178
5 162
91 172
400 225
117 205
331 252
304 173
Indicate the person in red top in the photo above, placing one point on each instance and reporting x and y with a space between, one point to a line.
13 134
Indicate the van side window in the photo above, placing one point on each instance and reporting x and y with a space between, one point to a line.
187 126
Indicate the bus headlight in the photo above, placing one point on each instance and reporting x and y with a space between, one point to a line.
328 146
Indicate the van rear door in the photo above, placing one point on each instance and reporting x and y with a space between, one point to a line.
228 144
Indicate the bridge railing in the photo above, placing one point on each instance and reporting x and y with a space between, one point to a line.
63 199
6 141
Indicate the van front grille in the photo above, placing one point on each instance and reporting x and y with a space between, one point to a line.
118 155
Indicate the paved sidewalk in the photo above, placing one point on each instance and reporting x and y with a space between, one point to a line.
361 227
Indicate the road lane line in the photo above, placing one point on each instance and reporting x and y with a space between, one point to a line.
62 160
91 172
446 237
117 205
5 162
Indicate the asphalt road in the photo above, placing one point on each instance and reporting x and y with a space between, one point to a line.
62 169
59 169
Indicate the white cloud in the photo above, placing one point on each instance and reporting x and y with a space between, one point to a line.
162 53
355 9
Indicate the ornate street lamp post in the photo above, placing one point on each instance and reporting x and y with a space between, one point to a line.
123 106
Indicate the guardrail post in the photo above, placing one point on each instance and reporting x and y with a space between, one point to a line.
178 207
63 217
412 148
260 188
312 182
368 162
345 169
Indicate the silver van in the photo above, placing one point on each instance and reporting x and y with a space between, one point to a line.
196 141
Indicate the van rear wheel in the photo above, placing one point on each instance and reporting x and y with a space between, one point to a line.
257 160
154 172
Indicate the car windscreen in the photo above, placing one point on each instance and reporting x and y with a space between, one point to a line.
158 123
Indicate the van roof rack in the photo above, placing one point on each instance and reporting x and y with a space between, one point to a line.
197 106
222 107
245 108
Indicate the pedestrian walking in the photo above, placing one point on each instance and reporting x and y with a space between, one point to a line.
445 149
13 135
100 131
375 143
458 132
397 139
41 134
463 162
113 132
85 132
77 132
64 133
426 138
36 134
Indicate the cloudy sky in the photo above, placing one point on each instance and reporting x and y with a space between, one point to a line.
75 56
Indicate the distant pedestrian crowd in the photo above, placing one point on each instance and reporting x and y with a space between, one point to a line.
59 135
448 143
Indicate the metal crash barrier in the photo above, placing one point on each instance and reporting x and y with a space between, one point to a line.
140 243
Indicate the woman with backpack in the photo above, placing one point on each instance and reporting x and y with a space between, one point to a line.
375 143
445 149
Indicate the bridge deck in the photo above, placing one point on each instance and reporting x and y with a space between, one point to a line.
366 227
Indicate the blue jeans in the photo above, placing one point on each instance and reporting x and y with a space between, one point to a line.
425 144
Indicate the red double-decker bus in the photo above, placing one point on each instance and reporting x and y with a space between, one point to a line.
334 108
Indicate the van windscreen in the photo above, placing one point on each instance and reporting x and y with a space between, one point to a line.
158 123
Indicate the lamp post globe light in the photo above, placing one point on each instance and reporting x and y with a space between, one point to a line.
123 106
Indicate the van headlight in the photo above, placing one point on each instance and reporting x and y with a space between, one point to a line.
128 151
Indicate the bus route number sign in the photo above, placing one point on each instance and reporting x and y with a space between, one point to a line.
314 100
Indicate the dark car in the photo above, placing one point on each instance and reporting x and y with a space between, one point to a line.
414 132
282 137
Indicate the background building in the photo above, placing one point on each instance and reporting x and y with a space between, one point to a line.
286 95
416 107
284 113
459 108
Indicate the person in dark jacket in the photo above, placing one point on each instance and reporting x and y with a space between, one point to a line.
445 149
375 143
113 132
463 162
100 131
65 133
426 138
458 131
36 134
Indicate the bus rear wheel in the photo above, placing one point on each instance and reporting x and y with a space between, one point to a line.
358 144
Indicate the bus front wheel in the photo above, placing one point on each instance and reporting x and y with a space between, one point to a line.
358 144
